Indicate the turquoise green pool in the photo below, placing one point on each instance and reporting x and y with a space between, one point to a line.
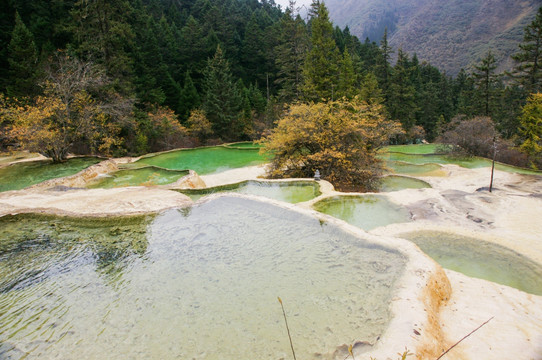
20 175
146 176
244 145
405 168
205 160
480 259
288 191
413 149
364 211
396 183
196 283
469 163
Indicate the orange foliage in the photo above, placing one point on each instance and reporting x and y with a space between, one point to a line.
50 127
339 138
170 133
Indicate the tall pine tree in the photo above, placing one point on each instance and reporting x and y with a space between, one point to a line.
321 68
290 54
528 72
23 59
221 99
401 100
485 79
189 99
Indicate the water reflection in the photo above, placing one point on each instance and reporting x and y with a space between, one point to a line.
198 283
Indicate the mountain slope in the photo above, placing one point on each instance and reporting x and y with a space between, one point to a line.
450 34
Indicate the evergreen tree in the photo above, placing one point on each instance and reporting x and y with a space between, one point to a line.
528 72
321 68
401 100
531 128
346 86
22 58
257 100
221 100
290 54
6 29
189 99
253 56
193 52
370 91
383 67
464 94
485 79
507 118
103 33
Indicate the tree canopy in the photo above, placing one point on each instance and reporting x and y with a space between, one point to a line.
338 138
236 65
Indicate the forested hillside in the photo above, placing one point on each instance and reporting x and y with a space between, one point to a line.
451 34
132 76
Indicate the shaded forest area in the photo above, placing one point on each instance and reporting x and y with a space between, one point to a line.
133 76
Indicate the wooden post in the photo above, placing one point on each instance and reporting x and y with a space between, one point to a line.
493 164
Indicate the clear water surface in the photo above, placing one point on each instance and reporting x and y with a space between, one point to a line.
395 183
364 211
145 176
289 191
196 283
480 259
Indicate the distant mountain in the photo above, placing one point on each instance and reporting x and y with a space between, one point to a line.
450 34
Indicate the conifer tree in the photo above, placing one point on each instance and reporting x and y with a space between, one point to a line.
189 98
193 47
401 101
528 72
22 58
531 128
257 99
383 67
221 100
370 91
290 54
103 32
321 67
485 79
347 77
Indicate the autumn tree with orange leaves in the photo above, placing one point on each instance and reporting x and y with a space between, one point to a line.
339 138
76 106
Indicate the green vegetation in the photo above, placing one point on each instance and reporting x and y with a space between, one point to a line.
133 77
340 139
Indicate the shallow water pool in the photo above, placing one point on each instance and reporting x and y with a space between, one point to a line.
396 183
469 163
404 168
20 175
205 160
480 259
145 176
364 211
195 283
289 191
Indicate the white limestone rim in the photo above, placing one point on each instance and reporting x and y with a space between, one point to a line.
409 312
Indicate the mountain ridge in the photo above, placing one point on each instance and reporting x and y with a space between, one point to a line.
450 34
